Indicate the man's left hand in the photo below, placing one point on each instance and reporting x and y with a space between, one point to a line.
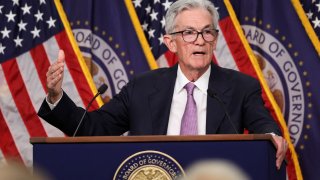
282 147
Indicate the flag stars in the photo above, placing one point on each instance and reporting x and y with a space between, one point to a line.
309 14
316 23
137 3
151 33
117 46
156 1
309 105
318 6
160 39
10 16
42 2
2 48
51 22
309 116
35 32
166 5
18 41
39 16
163 22
153 15
15 2
5 33
145 26
1 9
148 9
26 9
110 39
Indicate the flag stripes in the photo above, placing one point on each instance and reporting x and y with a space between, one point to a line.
24 88
23 79
223 55
83 87
7 144
12 119
22 99
39 55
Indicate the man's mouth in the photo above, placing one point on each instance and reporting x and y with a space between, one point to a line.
199 53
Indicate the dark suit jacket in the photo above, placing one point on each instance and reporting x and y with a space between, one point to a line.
143 107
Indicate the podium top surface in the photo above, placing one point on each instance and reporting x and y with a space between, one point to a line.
154 138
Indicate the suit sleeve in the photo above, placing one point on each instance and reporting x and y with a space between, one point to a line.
111 119
257 118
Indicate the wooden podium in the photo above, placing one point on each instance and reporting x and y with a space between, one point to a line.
120 157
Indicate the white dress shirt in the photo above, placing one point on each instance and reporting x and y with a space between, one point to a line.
179 101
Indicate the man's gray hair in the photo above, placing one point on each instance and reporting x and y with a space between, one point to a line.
181 5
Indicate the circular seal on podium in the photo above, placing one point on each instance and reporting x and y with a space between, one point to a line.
149 164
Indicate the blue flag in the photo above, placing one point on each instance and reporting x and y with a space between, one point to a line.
290 64
107 40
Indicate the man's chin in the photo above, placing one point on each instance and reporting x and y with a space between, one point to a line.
200 67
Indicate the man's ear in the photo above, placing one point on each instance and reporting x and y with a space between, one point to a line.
214 44
170 43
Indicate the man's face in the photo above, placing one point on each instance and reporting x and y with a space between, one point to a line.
197 55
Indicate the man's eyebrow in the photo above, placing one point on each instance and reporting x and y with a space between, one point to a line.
193 28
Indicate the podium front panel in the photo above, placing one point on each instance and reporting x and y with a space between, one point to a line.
101 160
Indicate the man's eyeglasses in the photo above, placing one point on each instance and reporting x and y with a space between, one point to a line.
190 36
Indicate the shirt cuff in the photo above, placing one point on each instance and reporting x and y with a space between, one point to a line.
272 133
52 106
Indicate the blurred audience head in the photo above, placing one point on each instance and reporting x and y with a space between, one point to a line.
215 170
13 170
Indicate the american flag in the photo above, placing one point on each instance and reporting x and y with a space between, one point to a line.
312 10
31 33
151 15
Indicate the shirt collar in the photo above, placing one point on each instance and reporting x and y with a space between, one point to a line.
202 83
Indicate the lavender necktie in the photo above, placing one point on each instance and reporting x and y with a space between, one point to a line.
189 124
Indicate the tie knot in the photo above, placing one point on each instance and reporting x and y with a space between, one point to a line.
189 87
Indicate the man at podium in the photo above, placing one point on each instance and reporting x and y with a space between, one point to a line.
194 97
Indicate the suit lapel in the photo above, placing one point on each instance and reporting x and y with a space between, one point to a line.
218 83
160 100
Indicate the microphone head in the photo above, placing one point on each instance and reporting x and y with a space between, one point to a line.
102 88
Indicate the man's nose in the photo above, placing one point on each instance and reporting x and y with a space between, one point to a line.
200 39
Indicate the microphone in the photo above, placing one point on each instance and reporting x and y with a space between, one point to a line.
101 90
212 94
